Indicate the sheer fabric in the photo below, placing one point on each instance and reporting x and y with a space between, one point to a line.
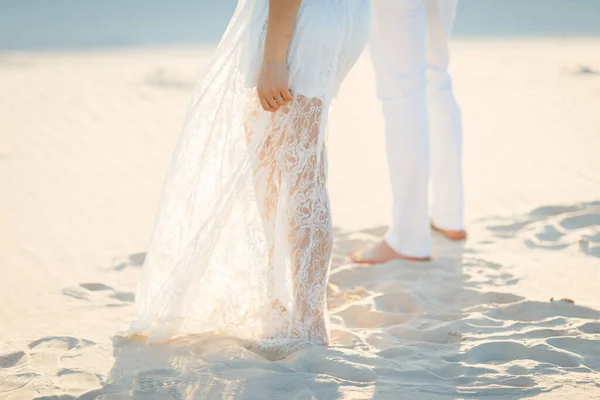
242 239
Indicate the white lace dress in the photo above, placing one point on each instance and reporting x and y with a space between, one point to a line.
242 240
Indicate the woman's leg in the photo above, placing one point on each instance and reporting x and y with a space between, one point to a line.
310 232
265 140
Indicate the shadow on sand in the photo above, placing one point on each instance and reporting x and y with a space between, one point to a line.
442 329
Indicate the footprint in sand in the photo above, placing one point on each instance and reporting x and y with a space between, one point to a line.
590 328
585 70
541 312
99 292
74 380
509 351
167 79
10 383
556 228
588 348
42 362
477 272
13 359
61 343
132 260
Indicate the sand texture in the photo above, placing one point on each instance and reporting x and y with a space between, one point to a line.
513 313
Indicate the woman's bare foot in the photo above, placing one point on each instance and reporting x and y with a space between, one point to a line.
276 322
451 235
278 307
381 253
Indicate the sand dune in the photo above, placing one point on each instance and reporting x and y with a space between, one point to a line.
512 313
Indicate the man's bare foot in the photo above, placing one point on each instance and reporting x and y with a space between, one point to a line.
451 235
381 253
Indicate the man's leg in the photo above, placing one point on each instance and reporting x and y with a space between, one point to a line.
445 127
398 52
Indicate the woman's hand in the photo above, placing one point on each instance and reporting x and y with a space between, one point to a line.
272 88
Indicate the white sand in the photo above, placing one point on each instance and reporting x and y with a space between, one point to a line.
84 143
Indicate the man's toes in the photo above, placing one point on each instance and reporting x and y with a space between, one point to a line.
457 235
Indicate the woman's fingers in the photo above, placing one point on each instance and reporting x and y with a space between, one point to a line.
265 104
272 85
262 97
286 94
272 100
